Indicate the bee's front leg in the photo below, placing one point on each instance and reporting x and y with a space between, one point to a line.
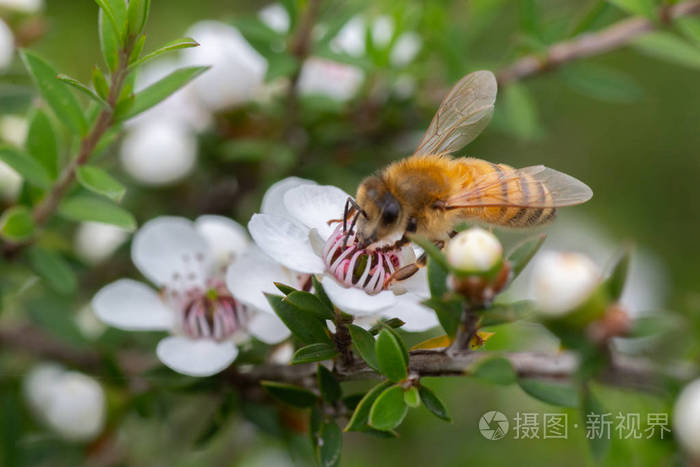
408 270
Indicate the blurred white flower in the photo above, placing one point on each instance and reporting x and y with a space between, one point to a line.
382 30
686 419
24 6
238 70
7 45
68 402
94 242
186 261
351 38
10 182
87 322
293 230
328 78
275 17
14 129
159 152
405 49
474 250
561 281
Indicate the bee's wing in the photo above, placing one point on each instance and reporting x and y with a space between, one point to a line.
522 188
463 114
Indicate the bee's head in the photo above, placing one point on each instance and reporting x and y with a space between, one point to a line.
382 219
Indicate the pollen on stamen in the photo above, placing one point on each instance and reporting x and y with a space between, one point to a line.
356 267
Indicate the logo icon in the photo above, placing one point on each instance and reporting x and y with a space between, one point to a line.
493 425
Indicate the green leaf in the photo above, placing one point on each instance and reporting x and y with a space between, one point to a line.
389 410
60 99
433 403
137 15
51 267
411 397
25 165
109 42
358 421
306 326
289 394
219 420
600 445
616 282
331 444
87 208
507 313
448 311
314 353
496 370
669 47
328 385
523 253
520 112
158 92
183 43
601 83
99 82
391 356
16 224
363 342
321 293
42 144
285 289
430 249
437 278
559 394
690 27
309 302
74 83
100 182
637 7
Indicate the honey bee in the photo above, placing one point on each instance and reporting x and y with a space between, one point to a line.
430 192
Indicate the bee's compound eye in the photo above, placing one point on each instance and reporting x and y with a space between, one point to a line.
391 211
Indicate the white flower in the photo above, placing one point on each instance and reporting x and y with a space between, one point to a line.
24 6
7 45
159 152
70 403
296 233
14 129
686 419
561 281
474 250
187 261
275 17
95 242
238 70
91 327
332 79
10 182
351 38
405 49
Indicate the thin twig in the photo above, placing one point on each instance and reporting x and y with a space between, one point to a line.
595 43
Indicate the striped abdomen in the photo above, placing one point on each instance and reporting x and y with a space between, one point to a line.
510 198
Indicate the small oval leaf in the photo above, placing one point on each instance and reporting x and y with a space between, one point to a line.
389 410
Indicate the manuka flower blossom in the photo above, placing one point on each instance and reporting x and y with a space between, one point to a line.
299 228
187 261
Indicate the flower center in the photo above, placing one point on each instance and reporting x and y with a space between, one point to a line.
356 267
211 313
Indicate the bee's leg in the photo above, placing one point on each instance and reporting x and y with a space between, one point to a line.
408 270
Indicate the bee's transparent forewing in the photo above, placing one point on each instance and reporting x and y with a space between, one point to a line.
531 187
463 114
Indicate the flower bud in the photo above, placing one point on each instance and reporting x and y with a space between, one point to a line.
561 281
95 242
22 6
474 251
7 45
275 17
14 129
686 419
10 182
70 403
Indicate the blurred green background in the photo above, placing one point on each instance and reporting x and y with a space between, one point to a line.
636 142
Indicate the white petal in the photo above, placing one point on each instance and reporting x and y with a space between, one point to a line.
132 306
7 45
196 357
315 205
416 284
268 328
416 316
285 242
254 273
273 200
356 301
168 246
226 237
